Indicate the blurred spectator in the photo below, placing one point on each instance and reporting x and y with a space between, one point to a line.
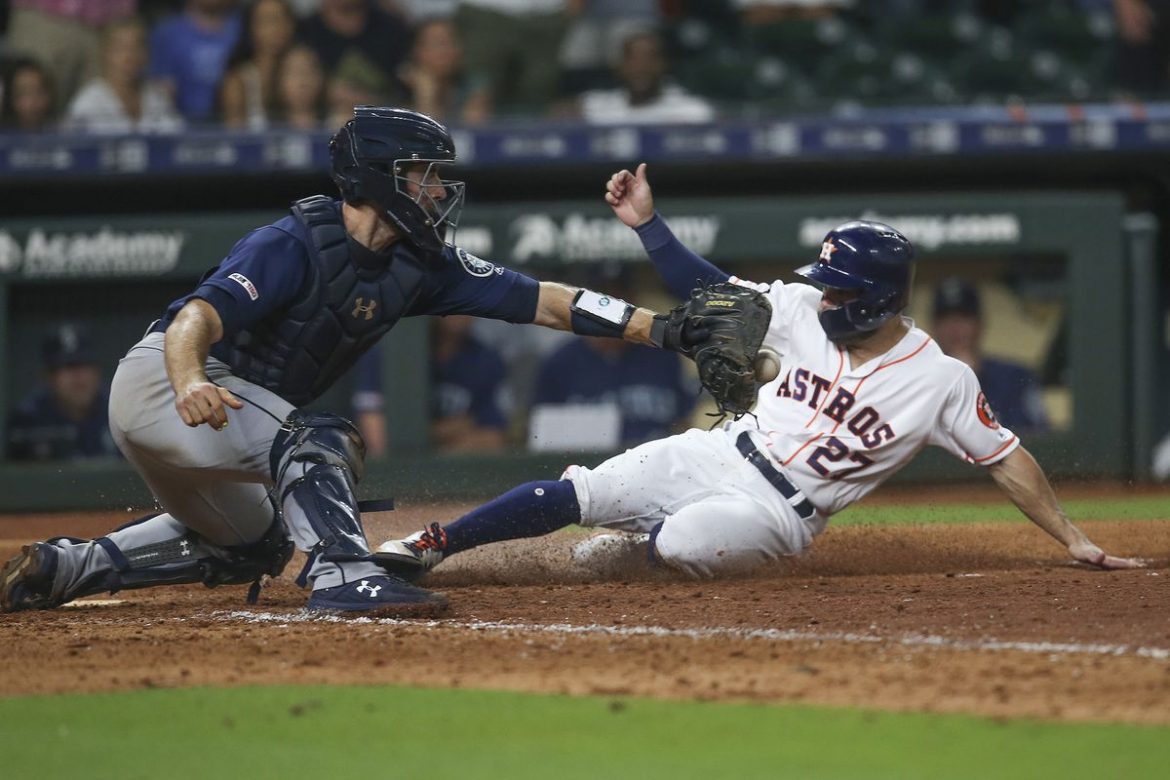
64 36
467 389
646 94
1143 56
300 90
189 51
369 402
247 96
467 380
66 417
772 11
356 82
595 39
121 100
27 103
646 387
1011 389
357 28
438 84
515 46
417 10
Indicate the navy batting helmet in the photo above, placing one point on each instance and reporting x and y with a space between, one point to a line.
370 155
872 259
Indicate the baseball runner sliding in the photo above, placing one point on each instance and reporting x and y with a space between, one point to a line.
859 391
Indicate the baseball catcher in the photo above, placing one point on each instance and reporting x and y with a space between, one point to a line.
721 327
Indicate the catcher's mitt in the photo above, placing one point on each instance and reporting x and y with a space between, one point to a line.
721 328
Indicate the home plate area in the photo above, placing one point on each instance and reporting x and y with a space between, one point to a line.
989 619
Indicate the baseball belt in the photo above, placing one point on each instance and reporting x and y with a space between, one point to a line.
791 493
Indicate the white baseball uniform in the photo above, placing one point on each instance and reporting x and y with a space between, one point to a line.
832 430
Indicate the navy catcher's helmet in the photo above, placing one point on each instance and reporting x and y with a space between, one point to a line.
369 156
868 257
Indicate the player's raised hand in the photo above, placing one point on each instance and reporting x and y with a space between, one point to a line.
203 402
628 194
1087 552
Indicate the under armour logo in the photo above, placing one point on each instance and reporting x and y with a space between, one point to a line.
827 250
361 307
184 547
373 589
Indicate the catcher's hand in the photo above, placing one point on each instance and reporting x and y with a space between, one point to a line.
721 328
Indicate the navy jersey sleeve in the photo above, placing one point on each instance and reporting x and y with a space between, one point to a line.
464 284
680 268
261 275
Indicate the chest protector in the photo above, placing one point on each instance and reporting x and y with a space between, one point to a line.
342 310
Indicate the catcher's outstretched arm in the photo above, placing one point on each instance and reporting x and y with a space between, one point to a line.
555 309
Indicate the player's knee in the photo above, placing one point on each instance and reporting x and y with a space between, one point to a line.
671 549
697 557
578 477
318 438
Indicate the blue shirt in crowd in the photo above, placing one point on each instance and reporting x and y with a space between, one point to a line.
648 386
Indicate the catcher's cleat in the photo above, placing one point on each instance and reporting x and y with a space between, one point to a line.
26 581
414 556
379 596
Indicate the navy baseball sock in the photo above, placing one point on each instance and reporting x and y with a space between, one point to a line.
532 509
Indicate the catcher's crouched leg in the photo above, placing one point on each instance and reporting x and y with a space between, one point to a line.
156 550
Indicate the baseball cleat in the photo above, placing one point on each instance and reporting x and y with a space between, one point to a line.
26 581
414 556
379 596
613 555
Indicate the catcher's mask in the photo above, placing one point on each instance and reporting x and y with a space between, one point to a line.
373 152
871 259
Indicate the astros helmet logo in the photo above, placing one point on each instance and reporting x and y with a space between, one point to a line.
827 250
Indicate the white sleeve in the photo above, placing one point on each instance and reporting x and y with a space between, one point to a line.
967 428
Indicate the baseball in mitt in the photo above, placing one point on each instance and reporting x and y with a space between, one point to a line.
722 327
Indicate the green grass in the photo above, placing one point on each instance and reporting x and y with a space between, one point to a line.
1136 508
369 732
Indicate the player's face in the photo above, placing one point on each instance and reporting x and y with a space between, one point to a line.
833 298
76 386
957 334
424 179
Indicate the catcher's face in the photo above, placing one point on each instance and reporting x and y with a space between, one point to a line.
423 185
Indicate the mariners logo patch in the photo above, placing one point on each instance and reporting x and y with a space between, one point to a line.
246 283
476 266
986 416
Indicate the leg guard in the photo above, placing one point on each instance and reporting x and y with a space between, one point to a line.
185 559
317 460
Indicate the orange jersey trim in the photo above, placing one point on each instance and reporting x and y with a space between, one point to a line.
1007 444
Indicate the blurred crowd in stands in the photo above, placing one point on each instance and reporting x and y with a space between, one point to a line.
162 65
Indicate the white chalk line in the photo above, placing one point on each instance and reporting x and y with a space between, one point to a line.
766 634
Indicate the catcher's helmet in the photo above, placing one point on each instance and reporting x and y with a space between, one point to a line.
871 258
369 154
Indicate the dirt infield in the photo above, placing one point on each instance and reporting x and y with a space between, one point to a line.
984 619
